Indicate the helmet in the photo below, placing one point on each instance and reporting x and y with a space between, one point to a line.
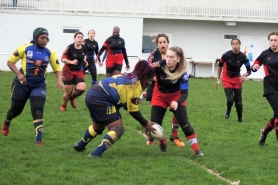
37 32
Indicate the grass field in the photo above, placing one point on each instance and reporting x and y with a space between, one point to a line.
231 148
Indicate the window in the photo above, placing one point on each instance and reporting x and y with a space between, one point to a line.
70 30
230 36
148 46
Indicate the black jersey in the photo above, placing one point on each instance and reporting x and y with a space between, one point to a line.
165 85
72 53
92 48
155 56
269 59
233 62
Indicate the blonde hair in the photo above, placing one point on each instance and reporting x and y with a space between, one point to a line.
181 66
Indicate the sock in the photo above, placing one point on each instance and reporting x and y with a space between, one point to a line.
276 127
7 122
192 140
93 82
269 126
76 93
163 141
38 124
106 143
88 136
175 127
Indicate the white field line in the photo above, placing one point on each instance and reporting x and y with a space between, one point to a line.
204 167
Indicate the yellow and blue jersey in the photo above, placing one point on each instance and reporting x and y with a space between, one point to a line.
124 91
34 62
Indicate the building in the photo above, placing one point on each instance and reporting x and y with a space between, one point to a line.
203 28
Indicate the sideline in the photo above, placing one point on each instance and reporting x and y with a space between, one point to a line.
204 167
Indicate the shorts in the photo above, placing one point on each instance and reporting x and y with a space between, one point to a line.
73 77
231 82
100 106
164 100
114 62
23 92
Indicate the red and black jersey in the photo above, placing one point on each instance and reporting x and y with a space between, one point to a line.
233 62
269 59
114 45
72 53
92 48
165 85
155 56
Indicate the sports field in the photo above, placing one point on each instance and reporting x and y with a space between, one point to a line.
232 154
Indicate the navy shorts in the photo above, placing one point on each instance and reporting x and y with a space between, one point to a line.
101 106
22 92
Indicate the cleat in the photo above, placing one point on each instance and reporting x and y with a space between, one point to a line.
262 138
163 148
177 141
5 129
73 104
77 148
95 156
198 153
240 121
63 108
227 114
38 143
150 141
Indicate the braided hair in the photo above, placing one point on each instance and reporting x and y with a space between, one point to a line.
142 71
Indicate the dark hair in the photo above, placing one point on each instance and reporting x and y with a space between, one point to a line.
143 71
155 38
76 33
235 39
272 33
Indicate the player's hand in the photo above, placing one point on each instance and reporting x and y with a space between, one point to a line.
60 86
127 67
174 105
86 63
149 126
21 78
100 64
217 83
74 62
256 67
242 78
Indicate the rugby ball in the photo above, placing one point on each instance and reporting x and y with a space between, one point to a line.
158 134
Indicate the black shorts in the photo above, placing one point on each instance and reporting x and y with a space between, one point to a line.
270 85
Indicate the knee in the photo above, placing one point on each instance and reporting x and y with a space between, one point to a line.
119 130
79 92
187 129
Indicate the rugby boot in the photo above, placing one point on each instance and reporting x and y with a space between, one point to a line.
5 129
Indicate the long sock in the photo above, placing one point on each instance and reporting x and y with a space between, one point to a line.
88 136
106 143
192 140
175 127
269 126
38 124
163 141
7 121
276 127
93 82
76 93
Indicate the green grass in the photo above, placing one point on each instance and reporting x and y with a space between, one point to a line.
231 149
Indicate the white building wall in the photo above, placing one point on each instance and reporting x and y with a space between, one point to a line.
199 39
17 29
205 39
